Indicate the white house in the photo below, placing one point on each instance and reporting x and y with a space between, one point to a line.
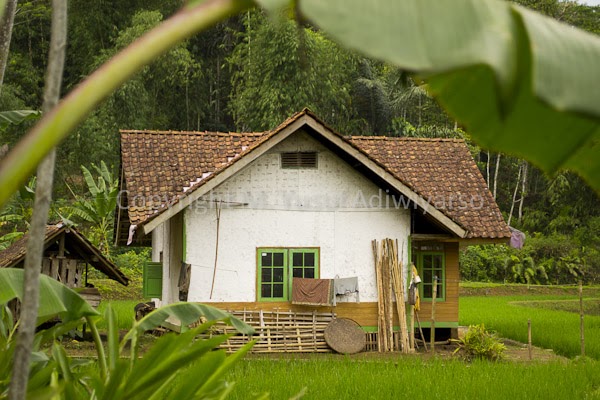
250 211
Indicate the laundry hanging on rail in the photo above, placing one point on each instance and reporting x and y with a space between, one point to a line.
345 287
312 292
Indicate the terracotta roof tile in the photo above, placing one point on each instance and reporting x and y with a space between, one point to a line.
441 171
161 167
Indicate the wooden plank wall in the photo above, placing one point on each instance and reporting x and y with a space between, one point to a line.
446 311
365 313
65 270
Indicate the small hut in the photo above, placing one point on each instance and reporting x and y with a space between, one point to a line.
67 255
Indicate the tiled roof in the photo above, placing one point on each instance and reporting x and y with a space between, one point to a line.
161 167
443 172
13 255
16 251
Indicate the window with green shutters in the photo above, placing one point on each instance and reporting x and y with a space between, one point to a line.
277 267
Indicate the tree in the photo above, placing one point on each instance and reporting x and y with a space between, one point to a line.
6 27
43 195
161 95
280 68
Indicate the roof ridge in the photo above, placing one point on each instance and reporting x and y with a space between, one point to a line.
191 133
404 138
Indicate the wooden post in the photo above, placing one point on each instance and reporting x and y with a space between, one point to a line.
421 330
529 345
61 246
411 336
432 330
379 296
581 319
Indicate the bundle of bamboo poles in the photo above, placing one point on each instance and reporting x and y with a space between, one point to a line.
390 284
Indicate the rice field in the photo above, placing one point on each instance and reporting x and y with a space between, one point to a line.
409 377
552 327
124 310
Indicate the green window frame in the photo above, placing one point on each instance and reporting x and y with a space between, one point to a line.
276 267
430 264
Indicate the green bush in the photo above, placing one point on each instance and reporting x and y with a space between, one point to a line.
481 344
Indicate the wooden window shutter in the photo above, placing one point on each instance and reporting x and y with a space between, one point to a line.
152 280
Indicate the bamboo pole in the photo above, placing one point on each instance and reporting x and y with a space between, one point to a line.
399 291
529 344
421 331
581 319
432 329
379 297
411 335
389 310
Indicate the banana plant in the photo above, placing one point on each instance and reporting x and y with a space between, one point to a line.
525 270
99 209
182 365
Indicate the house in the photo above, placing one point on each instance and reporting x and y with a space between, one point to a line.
233 217
67 257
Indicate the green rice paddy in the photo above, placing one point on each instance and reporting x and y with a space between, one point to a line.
339 377
552 327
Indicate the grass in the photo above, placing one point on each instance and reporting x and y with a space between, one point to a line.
551 328
337 377
124 312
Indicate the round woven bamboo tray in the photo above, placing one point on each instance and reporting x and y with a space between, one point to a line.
345 336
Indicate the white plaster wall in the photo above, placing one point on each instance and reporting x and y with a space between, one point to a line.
157 243
160 244
332 207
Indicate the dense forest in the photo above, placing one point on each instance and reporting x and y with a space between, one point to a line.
250 73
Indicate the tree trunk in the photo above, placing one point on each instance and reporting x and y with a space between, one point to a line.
487 170
496 174
514 199
6 27
523 191
43 195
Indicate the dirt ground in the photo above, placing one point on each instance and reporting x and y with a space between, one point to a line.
515 352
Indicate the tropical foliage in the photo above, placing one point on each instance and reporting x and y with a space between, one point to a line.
480 343
99 207
177 366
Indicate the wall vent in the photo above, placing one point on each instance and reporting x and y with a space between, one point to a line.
299 159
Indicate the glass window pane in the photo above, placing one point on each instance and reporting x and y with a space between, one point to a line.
427 262
309 273
437 262
427 276
298 273
278 259
427 291
440 292
267 274
277 274
309 259
266 259
265 290
278 290
297 260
